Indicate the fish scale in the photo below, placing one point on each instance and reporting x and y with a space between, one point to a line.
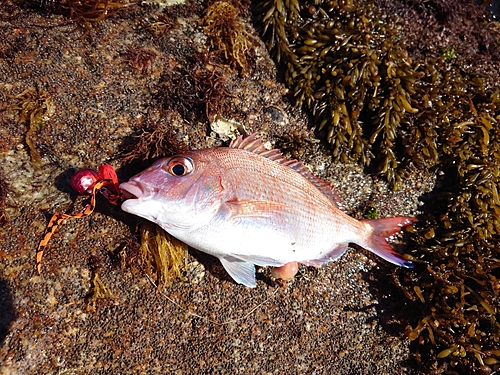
249 206
303 212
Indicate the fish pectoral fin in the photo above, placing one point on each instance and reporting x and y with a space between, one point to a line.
334 253
253 208
241 271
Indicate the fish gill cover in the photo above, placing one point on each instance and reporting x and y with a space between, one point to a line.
346 63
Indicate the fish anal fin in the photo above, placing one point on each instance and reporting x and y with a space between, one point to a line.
286 271
256 146
242 272
336 252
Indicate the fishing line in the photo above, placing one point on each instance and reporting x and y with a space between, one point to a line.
208 319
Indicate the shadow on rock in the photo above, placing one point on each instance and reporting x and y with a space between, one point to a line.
394 311
7 312
63 182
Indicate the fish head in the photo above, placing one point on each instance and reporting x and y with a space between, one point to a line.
179 192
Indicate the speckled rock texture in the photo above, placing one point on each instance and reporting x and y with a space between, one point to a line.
77 94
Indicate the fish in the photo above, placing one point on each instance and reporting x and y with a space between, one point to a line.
248 205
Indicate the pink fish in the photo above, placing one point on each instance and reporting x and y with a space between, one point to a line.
249 206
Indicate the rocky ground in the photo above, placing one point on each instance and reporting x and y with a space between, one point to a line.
81 94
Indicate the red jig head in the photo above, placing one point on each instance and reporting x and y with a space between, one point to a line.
85 181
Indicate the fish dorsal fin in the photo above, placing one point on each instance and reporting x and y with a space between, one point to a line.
256 145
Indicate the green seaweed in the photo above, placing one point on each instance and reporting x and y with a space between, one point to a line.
448 54
371 213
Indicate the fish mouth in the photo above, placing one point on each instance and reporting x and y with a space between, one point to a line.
132 190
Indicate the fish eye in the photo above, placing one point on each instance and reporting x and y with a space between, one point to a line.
178 169
179 166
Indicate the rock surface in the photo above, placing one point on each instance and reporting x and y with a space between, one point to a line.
77 94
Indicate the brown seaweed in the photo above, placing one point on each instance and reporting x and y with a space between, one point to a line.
346 63
228 36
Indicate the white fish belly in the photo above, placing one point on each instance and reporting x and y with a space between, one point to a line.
264 241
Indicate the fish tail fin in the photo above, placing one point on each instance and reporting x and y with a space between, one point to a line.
382 231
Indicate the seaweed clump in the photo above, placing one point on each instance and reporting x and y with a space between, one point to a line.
140 59
196 91
457 289
228 36
162 253
99 291
346 63
34 106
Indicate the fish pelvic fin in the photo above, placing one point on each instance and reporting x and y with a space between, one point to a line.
384 230
241 271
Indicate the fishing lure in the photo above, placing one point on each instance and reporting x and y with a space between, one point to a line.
85 181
